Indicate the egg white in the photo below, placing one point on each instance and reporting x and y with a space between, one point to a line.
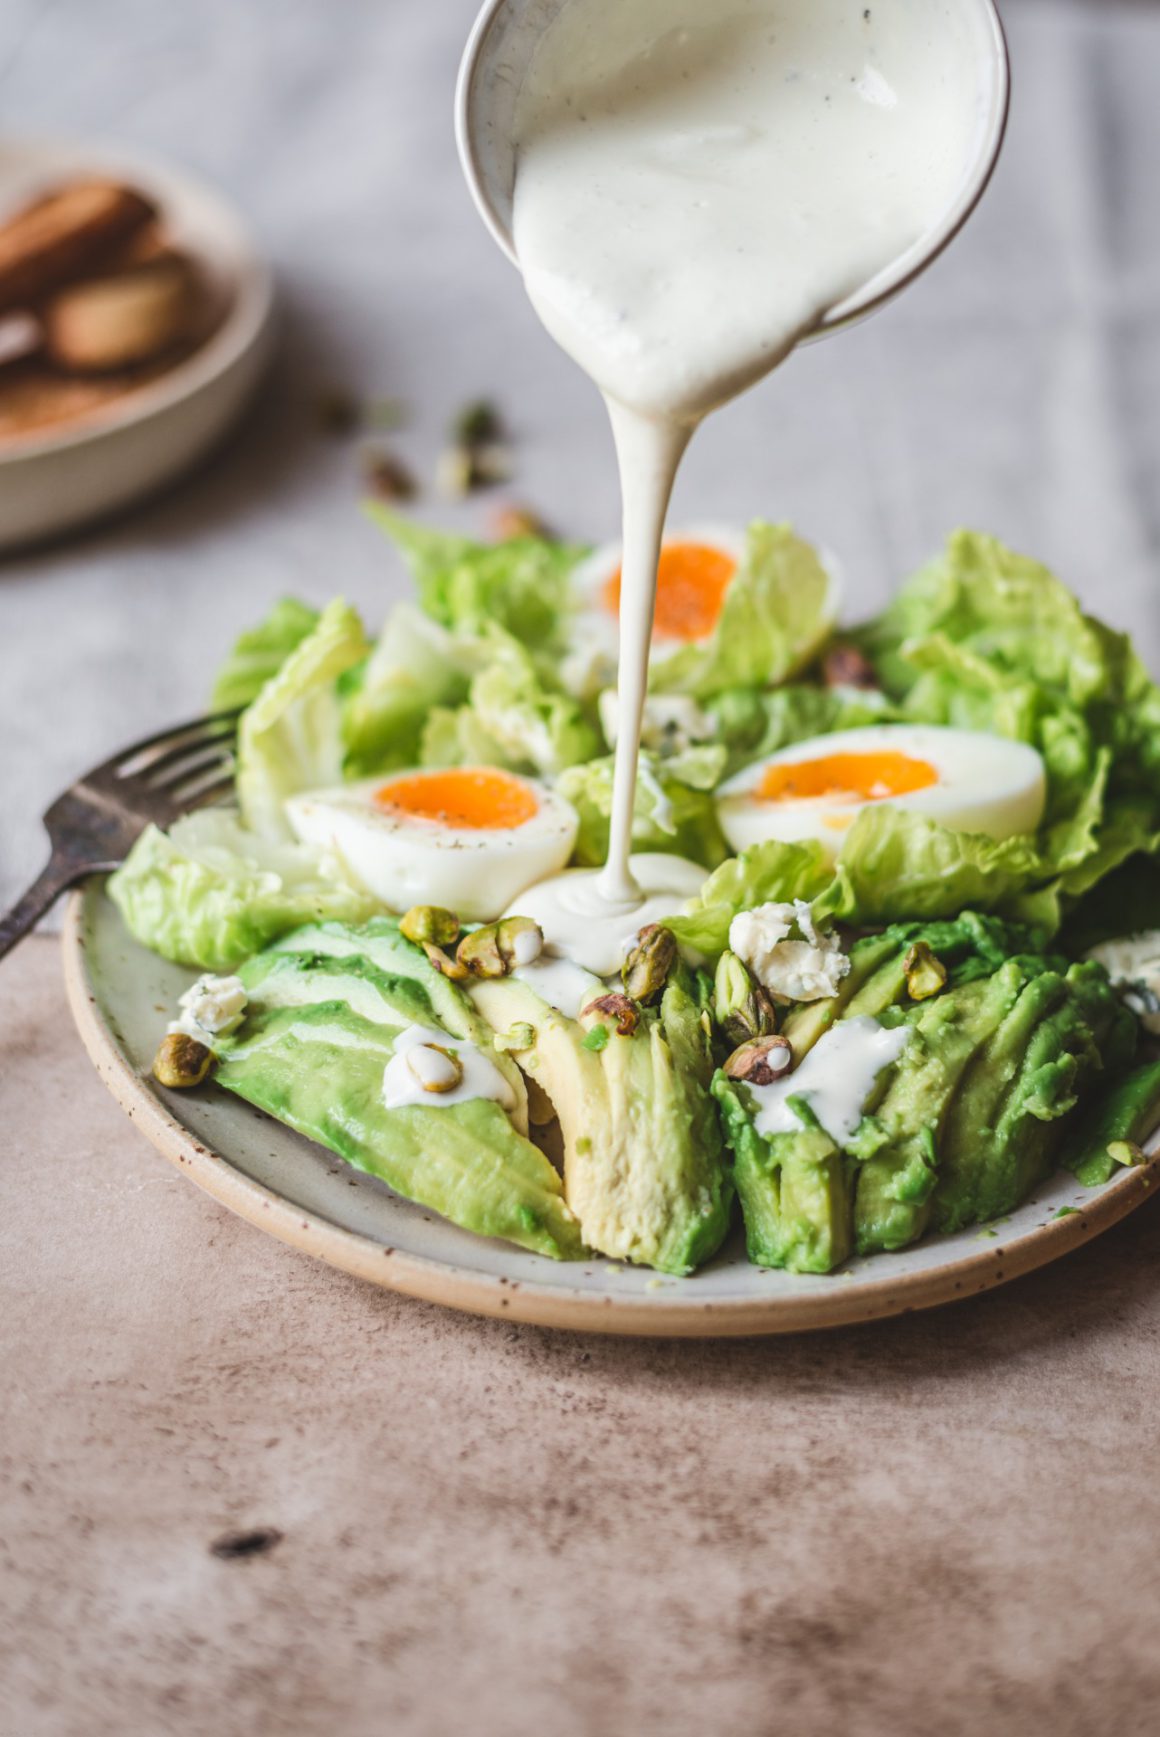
985 784
404 860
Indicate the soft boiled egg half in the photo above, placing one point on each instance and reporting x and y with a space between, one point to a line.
469 838
697 567
964 779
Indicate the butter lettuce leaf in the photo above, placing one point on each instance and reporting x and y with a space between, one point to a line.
769 873
290 738
987 639
779 610
211 893
514 717
675 811
260 652
416 667
896 866
520 585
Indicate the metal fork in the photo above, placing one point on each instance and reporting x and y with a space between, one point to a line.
95 824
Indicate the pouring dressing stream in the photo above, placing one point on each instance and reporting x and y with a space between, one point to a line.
697 185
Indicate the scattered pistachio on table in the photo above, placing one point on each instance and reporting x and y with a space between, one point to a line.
388 415
342 412
509 523
338 410
478 424
478 454
387 477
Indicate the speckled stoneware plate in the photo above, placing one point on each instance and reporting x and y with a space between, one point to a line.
122 996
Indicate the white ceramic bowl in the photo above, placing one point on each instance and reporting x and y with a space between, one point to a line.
61 477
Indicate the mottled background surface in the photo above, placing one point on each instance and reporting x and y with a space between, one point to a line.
943 1524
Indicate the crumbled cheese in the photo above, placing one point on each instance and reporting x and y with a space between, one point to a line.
1133 964
671 722
791 970
212 1007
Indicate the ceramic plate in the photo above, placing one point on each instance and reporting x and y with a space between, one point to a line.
61 477
121 997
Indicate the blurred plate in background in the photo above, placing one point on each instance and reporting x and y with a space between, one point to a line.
56 478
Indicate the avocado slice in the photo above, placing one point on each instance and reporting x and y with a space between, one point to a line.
312 1051
1004 1128
795 1189
805 1024
643 1162
1081 1039
1131 1112
380 942
895 1186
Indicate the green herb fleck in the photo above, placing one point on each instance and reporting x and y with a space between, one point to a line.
1067 1212
521 1036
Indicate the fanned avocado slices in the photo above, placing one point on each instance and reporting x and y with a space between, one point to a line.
798 1191
966 1122
327 1006
1005 1129
795 1189
895 1187
643 1159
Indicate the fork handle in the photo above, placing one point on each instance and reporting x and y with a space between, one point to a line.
40 897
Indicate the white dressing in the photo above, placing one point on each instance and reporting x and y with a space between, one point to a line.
561 983
580 923
697 185
417 1059
835 1079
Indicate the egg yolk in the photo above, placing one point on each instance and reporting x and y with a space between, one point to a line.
474 798
847 778
692 580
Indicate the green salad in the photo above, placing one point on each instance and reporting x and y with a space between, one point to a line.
910 960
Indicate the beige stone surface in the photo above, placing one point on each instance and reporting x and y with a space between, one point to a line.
942 1524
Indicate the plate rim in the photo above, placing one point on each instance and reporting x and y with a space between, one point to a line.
836 1305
